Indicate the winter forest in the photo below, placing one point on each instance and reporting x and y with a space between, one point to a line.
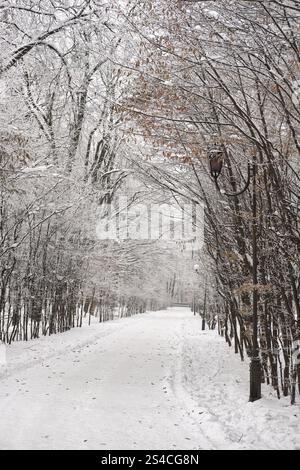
150 179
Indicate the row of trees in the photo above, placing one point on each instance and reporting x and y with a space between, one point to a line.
224 76
62 160
91 92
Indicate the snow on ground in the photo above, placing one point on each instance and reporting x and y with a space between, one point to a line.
153 381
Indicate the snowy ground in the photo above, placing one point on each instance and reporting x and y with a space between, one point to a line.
153 381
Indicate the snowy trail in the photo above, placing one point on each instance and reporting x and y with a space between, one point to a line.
149 382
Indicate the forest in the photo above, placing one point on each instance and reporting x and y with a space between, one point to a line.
101 99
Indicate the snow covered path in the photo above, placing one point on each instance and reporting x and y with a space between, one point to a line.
153 381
